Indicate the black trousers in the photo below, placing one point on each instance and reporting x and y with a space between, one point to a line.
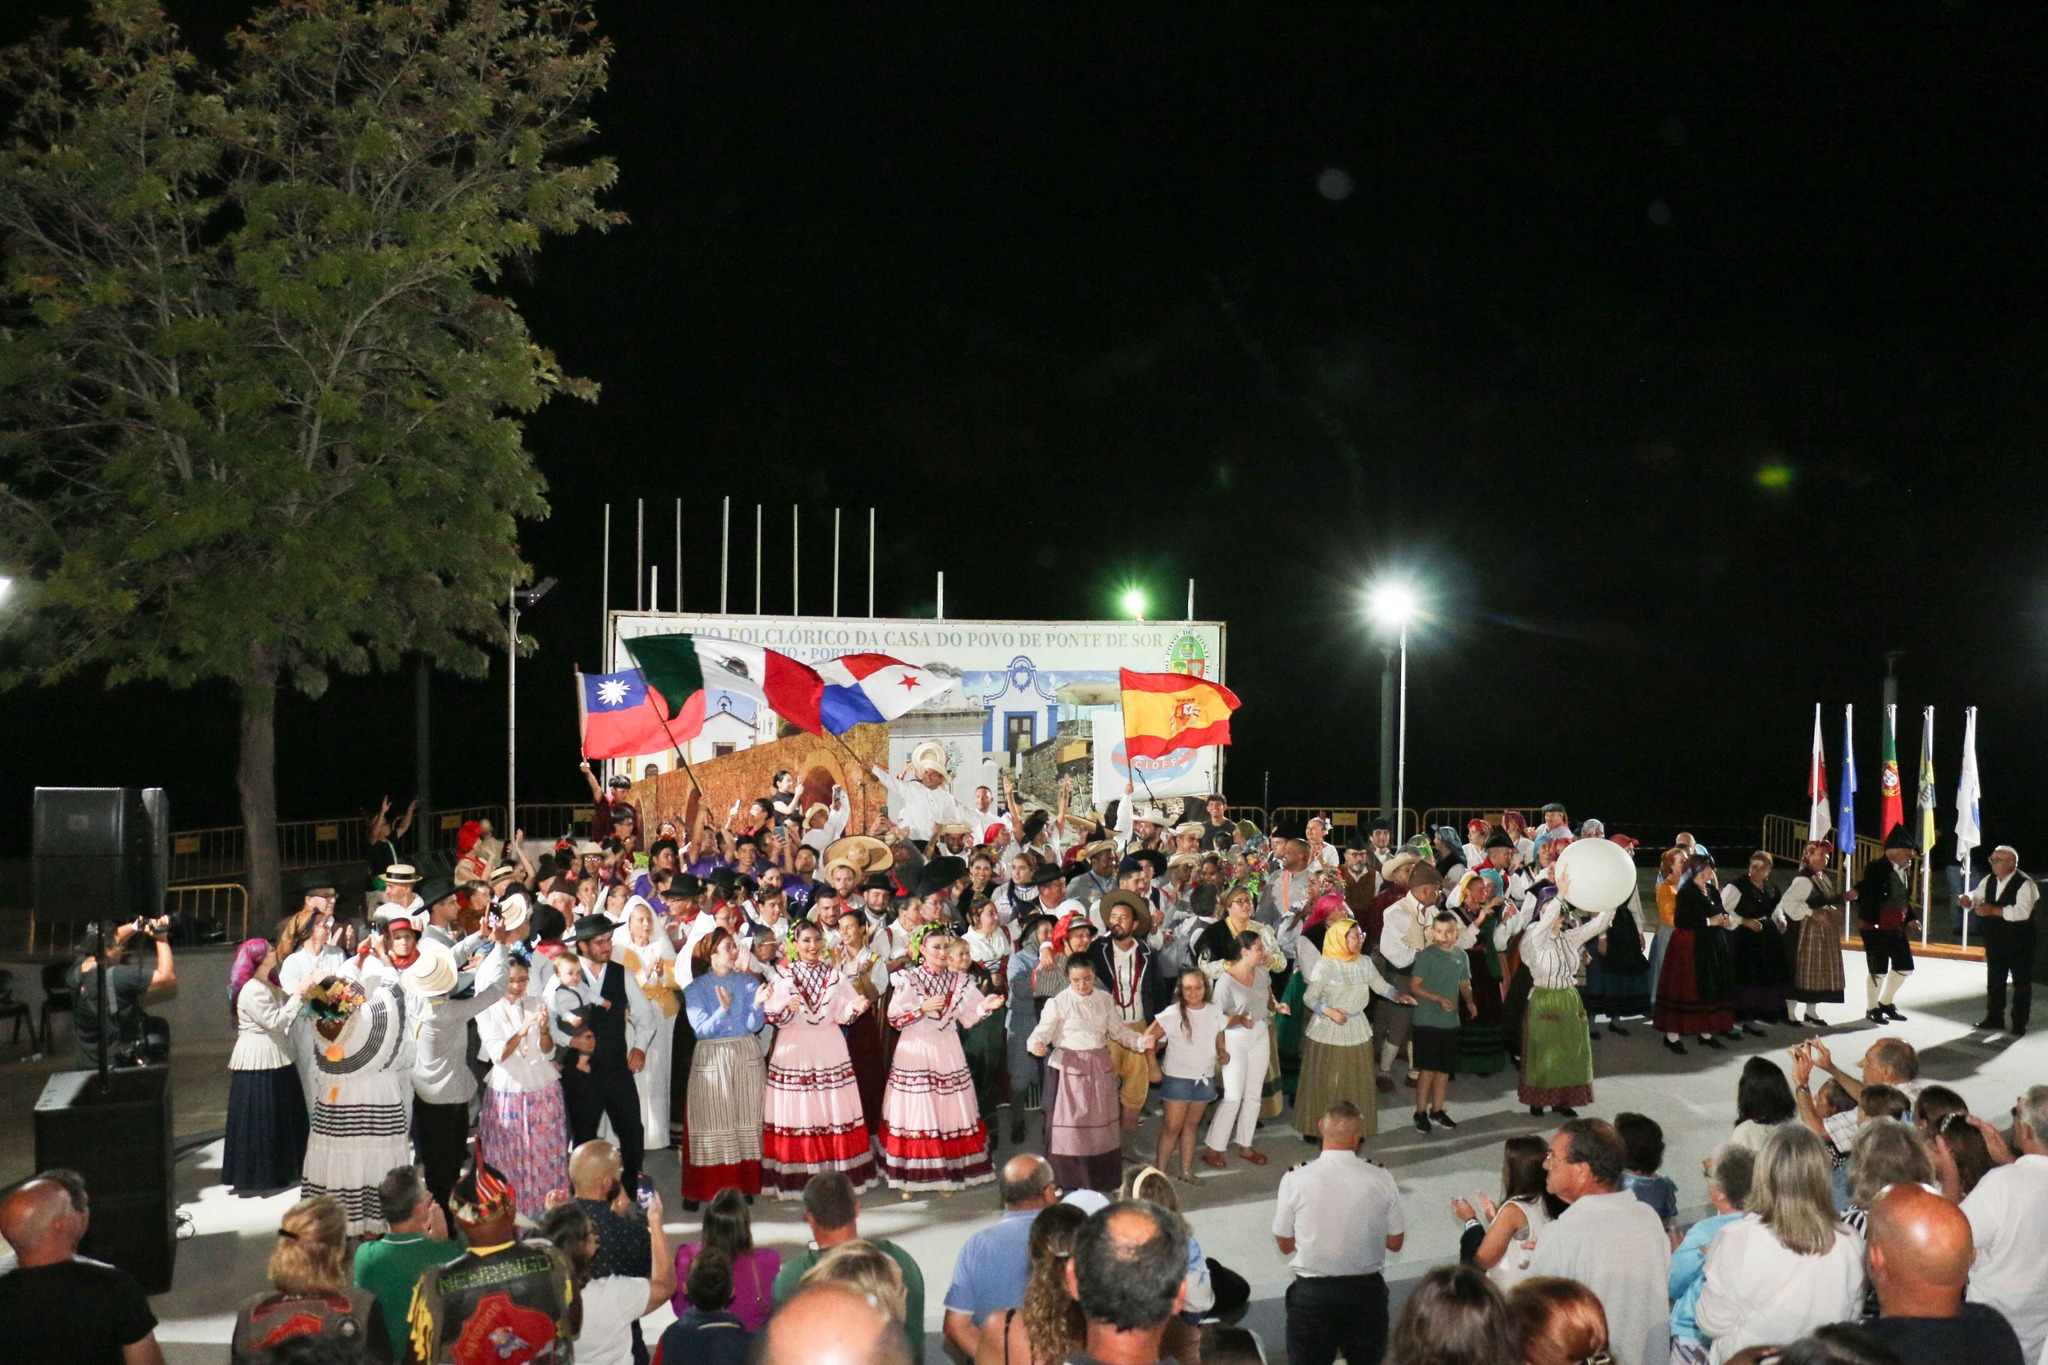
1887 950
591 1097
1338 1314
2008 951
441 1133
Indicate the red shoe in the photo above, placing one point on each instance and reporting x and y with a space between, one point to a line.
1212 1157
1253 1155
1383 1084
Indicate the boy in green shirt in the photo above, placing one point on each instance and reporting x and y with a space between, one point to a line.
1442 986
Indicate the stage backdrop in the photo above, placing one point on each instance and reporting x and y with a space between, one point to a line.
1014 683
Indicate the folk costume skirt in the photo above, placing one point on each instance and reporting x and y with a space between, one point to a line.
1618 976
1557 1049
1482 1049
1757 957
525 1134
933 1137
1694 991
1817 976
360 1133
1332 1072
267 1130
722 1126
812 1122
1084 1140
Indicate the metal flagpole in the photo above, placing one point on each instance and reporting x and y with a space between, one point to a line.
1925 801
679 554
511 705
1191 599
604 600
757 559
654 587
795 596
942 595
724 555
835 562
639 549
871 563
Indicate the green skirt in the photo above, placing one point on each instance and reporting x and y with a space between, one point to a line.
1332 1072
1557 1050
1287 1032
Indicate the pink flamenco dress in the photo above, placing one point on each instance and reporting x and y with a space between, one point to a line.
812 1120
933 1136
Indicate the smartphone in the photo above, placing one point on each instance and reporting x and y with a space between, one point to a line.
643 1191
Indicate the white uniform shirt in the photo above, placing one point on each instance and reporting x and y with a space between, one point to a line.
2008 1213
1338 1210
920 809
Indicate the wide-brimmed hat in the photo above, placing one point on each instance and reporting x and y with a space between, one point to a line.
1184 860
1150 857
1194 827
1088 852
435 890
930 756
432 972
502 871
1051 872
879 882
952 827
515 912
1141 912
401 872
592 926
939 874
1151 815
863 852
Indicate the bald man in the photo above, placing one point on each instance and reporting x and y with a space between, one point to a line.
1920 1256
829 1324
57 1305
991 1270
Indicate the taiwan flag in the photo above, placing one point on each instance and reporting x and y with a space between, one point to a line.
873 687
622 717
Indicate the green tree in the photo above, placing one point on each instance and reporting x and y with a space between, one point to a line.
260 402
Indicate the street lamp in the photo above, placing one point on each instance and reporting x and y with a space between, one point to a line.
1392 604
1133 602
517 599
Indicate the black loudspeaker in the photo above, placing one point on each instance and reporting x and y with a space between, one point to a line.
101 851
119 1138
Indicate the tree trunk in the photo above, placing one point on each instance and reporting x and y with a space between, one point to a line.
256 777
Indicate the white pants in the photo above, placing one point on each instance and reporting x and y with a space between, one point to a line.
1243 1075
653 1083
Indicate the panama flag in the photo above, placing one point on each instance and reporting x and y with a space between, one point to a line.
620 716
1818 821
1845 835
684 665
866 688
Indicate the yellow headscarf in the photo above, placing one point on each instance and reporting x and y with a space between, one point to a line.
1337 940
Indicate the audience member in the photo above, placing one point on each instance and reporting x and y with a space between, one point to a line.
993 1267
1728 1182
864 1268
1961 1156
390 1266
611 1303
833 1212
1128 1272
1609 1241
1048 1327
1789 1264
309 1292
459 1300
1558 1322
2008 1213
1336 1219
597 1184
705 1333
1838 1343
829 1324
1920 1252
729 1229
103 1317
1884 1153
1763 1100
1454 1316
1643 1136
1501 1239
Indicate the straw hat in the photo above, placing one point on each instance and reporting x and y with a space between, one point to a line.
863 852
432 973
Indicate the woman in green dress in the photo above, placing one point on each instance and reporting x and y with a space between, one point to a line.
1336 1051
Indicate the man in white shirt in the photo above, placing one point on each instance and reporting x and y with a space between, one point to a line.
2004 902
2008 1213
1336 1219
617 1039
1608 1240
922 798
442 1083
1404 932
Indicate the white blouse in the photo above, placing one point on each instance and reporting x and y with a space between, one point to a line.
1082 1023
1552 953
263 1020
528 1068
1191 1058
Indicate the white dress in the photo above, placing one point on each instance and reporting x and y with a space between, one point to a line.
653 1080
360 1129
296 968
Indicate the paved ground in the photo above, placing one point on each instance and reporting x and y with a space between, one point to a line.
222 1259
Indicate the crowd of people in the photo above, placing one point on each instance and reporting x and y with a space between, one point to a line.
809 1014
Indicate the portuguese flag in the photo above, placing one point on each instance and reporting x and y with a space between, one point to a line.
683 666
1894 809
1166 712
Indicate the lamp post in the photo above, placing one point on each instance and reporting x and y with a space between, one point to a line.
1393 605
516 599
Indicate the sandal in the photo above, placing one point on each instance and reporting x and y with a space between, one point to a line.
1212 1157
1253 1155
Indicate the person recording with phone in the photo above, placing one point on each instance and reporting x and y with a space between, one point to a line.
137 1038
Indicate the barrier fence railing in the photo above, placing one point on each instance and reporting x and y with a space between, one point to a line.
1458 816
1940 931
211 912
1342 818
221 851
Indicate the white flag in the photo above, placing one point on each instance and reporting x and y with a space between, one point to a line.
1819 820
1969 794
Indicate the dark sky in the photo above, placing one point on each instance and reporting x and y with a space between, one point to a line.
1690 360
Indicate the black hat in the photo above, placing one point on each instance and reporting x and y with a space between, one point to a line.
434 890
1051 872
939 874
1033 823
1899 838
1380 825
1499 839
1153 859
618 783
724 879
686 884
592 926
879 882
1353 839
1128 864
316 881
823 891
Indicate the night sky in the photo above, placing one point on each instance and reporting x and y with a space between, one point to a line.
1688 361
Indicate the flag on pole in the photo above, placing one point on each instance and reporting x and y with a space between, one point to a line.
873 687
1818 821
1166 712
1969 793
1892 813
1926 793
1845 832
684 665
620 716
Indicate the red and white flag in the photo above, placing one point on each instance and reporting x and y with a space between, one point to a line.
1819 820
865 688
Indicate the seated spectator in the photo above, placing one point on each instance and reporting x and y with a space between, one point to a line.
454 1303
990 1273
105 1317
611 1303
2008 1213
1920 1254
309 1292
1049 1327
1962 1157
1789 1264
1128 1272
829 1324
1214 1290
1454 1316
705 1333
729 1228
1885 1153
1730 1173
1559 1322
1934 1104
833 1212
1883 1102
1644 1138
1501 1239
1608 1240
390 1266
1763 1100
864 1268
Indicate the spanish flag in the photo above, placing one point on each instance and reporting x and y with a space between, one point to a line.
1165 712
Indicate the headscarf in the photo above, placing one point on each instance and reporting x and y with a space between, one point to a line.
246 959
1337 940
1326 905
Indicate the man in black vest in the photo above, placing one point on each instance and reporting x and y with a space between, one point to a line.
619 1035
1885 918
2004 902
1127 971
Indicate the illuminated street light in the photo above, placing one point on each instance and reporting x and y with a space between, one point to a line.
1392 604
1134 603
